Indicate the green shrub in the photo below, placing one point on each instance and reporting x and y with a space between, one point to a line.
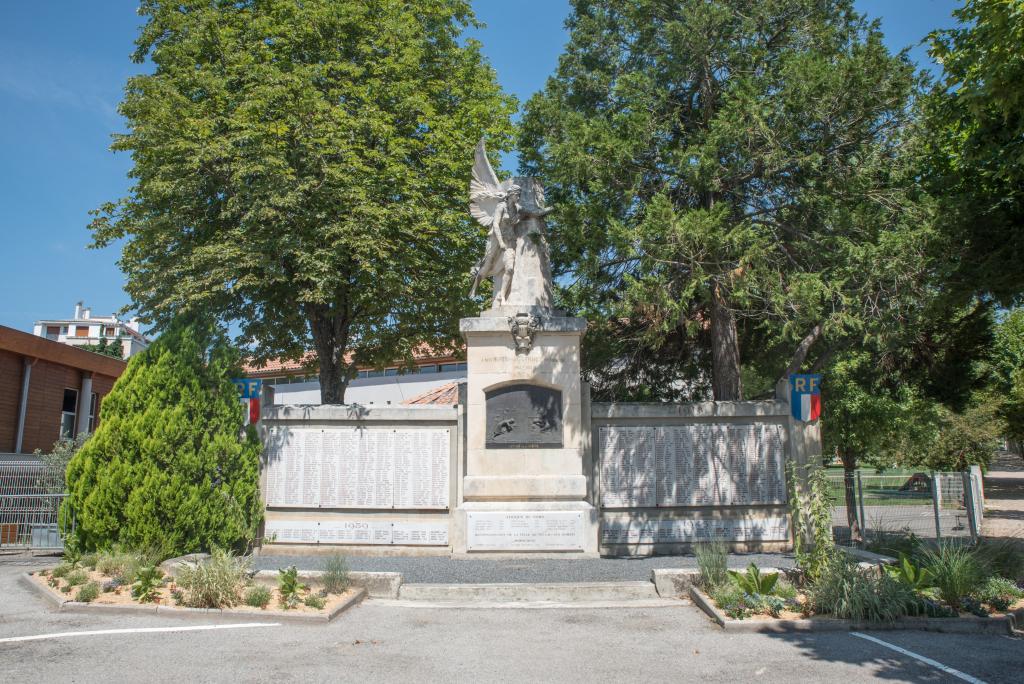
753 582
167 468
335 575
148 581
77 577
89 560
315 601
999 592
258 596
956 572
712 558
845 591
216 582
89 592
62 570
289 587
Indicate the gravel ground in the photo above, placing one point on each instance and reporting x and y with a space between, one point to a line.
443 570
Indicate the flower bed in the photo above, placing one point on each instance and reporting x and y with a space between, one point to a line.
222 583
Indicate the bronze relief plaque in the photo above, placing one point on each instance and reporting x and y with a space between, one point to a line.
524 417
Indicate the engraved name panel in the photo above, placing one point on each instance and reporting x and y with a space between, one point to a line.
636 531
702 464
352 467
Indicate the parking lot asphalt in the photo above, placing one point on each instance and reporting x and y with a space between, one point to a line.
380 641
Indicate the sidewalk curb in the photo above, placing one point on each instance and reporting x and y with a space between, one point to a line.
963 625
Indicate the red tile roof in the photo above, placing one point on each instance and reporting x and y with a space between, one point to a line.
447 395
308 363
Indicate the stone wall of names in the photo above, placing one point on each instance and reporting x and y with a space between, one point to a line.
348 467
703 464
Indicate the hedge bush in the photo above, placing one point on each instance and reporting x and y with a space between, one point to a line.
170 467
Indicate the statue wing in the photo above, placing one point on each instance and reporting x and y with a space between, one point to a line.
485 191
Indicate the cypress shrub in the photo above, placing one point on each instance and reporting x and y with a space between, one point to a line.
170 468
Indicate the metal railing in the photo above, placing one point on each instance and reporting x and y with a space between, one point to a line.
31 493
929 505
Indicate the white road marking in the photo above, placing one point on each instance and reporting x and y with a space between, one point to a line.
139 630
928 661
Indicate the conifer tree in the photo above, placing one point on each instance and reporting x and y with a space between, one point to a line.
169 468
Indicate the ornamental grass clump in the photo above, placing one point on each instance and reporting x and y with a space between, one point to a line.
712 558
335 575
956 572
118 561
216 582
844 590
257 596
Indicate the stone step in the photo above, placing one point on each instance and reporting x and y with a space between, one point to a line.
562 592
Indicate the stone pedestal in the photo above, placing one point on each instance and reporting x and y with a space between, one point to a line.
525 486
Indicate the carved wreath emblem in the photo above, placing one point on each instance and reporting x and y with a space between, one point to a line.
524 326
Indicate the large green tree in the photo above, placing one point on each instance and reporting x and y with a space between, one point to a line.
727 172
300 169
170 467
975 119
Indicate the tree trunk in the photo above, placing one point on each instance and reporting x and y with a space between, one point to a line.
330 340
850 495
726 383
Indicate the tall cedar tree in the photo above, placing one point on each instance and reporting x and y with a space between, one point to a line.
975 121
170 466
727 170
300 168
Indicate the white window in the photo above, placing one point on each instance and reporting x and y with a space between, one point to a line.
68 412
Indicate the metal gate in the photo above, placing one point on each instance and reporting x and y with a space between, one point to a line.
30 496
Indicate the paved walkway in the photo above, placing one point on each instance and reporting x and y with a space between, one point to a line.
1004 498
445 570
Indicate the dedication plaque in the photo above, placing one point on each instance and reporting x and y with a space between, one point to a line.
524 531
524 416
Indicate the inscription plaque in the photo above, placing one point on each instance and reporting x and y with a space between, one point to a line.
355 531
524 417
524 531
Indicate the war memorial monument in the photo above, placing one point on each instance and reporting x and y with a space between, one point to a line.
525 463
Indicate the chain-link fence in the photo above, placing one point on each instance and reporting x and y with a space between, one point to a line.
928 505
30 496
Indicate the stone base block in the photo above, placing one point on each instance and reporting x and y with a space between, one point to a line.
502 528
524 487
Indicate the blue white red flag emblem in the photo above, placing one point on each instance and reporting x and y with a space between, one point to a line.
805 396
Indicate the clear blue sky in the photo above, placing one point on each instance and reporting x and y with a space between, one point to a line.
62 66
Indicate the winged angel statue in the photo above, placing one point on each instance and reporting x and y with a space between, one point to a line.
498 205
